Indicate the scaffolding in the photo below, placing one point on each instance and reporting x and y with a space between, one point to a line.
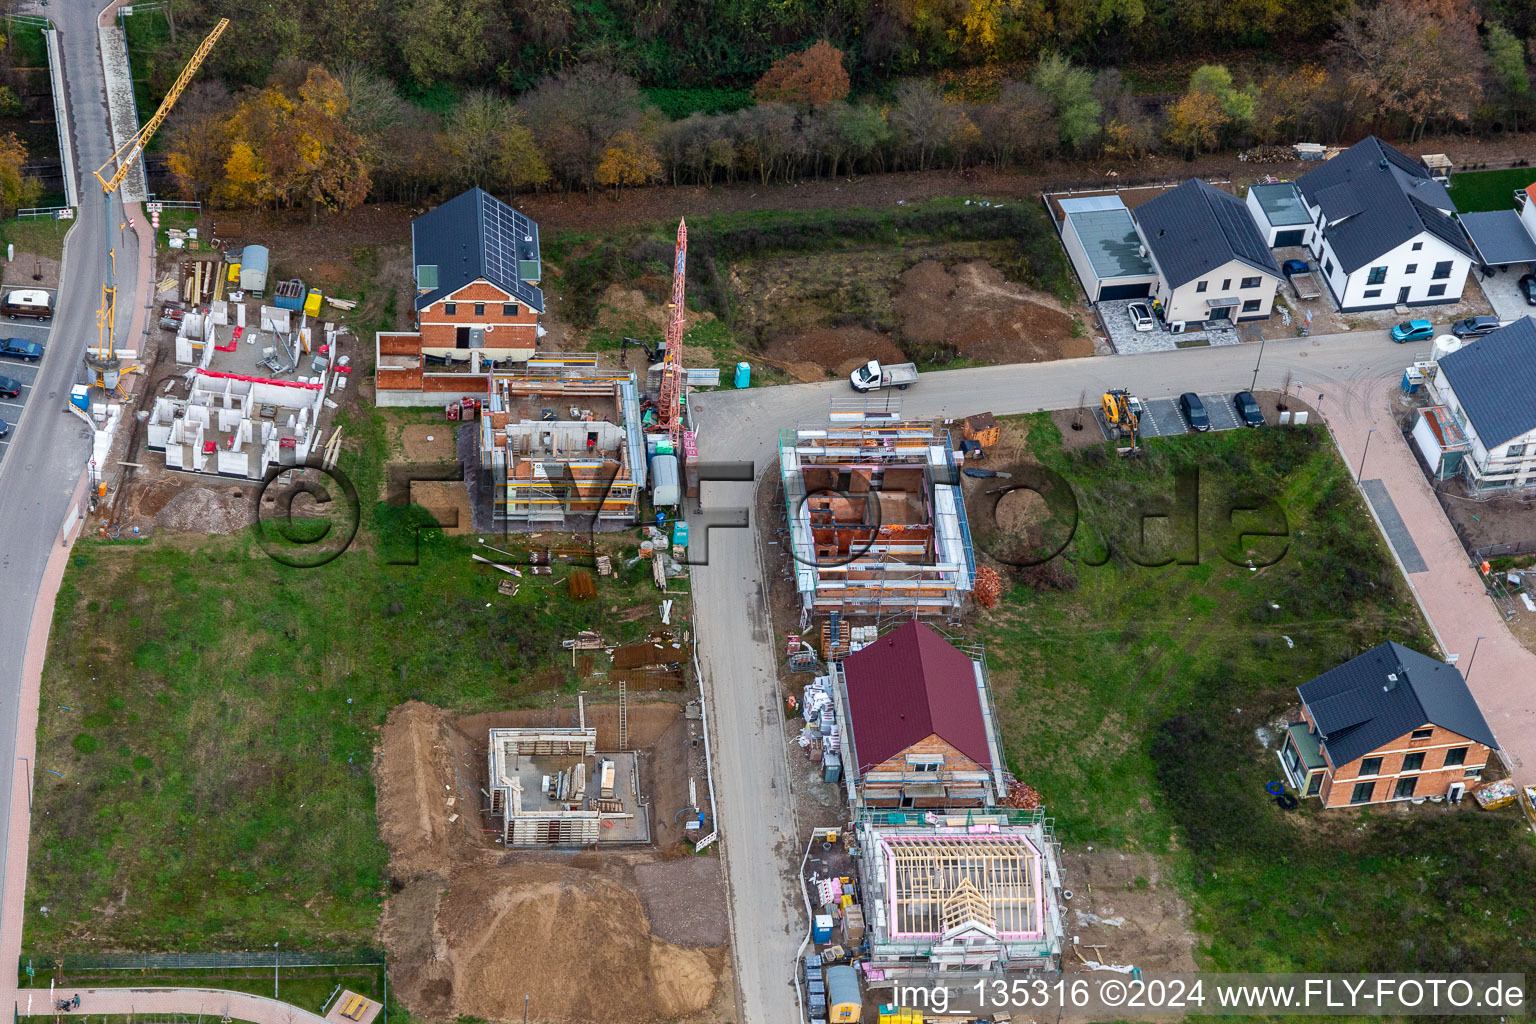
560 439
876 517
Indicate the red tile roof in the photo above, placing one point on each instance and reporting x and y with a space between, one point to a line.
908 685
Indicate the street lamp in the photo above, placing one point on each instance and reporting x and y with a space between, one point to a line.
1467 674
1256 365
526 997
274 970
1361 471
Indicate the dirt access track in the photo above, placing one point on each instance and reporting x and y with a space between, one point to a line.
613 936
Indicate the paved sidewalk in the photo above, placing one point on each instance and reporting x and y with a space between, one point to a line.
187 1001
1503 676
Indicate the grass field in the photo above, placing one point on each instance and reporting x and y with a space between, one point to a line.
210 718
41 236
1489 190
1131 696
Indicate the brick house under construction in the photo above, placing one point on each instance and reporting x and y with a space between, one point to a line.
559 440
876 517
917 724
476 265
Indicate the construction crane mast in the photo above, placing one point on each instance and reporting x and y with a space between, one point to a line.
105 363
669 411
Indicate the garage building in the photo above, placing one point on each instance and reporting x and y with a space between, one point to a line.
1280 214
1101 240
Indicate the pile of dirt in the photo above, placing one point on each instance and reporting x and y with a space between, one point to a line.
981 315
810 356
207 510
575 941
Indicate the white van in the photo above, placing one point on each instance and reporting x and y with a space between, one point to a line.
34 303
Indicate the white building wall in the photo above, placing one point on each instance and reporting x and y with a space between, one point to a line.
1511 464
1079 258
1188 303
1268 230
1350 289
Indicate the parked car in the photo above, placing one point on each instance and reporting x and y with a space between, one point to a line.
21 348
1413 330
1475 326
874 375
28 302
1528 289
1194 411
5 429
10 387
1248 409
1303 281
1141 316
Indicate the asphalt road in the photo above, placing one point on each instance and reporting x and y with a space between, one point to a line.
756 811
48 447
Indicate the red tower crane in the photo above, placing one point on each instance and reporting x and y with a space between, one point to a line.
669 406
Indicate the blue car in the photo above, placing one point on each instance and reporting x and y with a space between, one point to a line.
1413 330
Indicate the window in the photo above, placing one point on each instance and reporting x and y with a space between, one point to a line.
1417 246
450 308
1314 783
1328 266
1414 762
1411 268
1226 285
1442 270
1200 287
1251 306
1372 293
1455 756
1370 766
1251 282
1423 734
924 763
1514 451
1405 787
1437 289
1378 275
1473 773
509 309
1362 793
479 309
926 766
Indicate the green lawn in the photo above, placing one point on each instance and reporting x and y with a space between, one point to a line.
1131 696
210 717
41 236
1489 190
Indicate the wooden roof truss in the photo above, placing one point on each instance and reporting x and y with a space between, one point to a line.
944 886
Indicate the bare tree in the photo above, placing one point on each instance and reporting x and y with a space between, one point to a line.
1422 61
923 121
576 114
1018 123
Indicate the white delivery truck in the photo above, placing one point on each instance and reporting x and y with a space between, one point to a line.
874 375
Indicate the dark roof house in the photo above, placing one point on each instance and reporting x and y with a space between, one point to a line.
475 236
911 684
1195 228
1386 693
1494 379
1375 198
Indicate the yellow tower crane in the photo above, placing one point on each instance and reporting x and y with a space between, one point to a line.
104 363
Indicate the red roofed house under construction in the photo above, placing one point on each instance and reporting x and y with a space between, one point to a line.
917 723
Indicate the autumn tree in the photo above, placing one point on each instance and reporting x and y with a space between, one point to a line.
764 135
922 120
810 78
489 146
443 39
291 145
1421 61
1126 129
197 139
629 160
1070 92
577 113
1018 123
16 188
1506 56
1289 104
1195 123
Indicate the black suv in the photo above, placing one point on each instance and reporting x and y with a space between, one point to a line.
1194 411
1248 409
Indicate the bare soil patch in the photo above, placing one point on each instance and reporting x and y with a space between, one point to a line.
1128 904
976 312
207 510
429 442
630 934
834 349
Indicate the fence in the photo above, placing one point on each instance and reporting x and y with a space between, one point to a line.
206 961
42 211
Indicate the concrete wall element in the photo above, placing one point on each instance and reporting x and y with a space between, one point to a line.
61 116
120 106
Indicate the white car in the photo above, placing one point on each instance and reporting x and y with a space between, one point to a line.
1141 316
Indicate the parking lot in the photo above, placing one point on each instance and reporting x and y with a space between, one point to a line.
1161 417
1502 290
23 373
1127 340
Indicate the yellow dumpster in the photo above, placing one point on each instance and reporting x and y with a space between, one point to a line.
312 302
